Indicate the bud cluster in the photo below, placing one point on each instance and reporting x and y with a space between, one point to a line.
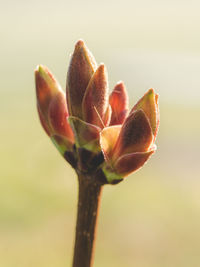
95 131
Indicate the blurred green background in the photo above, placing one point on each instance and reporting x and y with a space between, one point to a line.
152 219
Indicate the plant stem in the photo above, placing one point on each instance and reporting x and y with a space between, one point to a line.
88 206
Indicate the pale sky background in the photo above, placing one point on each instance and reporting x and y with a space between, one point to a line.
158 42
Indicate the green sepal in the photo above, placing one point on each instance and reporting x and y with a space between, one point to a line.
110 175
86 134
61 144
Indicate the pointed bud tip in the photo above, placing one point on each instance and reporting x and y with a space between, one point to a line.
101 70
119 86
37 68
102 67
120 83
44 73
80 43
41 70
151 91
37 71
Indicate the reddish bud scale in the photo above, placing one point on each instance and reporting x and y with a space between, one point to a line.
149 104
95 100
58 115
43 122
52 109
119 104
135 135
132 162
81 69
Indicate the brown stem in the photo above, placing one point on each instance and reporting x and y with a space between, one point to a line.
88 206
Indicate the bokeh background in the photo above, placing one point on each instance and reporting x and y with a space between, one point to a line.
152 219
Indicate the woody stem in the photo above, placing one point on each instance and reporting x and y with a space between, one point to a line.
88 207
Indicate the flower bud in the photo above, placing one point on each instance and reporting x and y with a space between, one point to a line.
128 146
81 69
119 104
46 88
95 101
92 130
149 104
52 109
135 135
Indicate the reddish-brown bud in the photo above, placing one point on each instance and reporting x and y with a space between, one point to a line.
52 108
119 104
95 101
81 69
149 104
